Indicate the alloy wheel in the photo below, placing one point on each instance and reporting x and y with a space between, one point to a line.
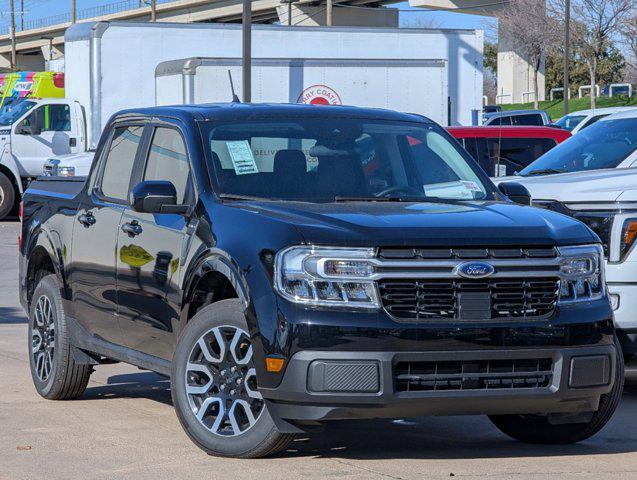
43 338
221 382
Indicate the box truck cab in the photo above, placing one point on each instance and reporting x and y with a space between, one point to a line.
30 133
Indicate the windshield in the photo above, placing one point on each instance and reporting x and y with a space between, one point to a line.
10 113
602 145
341 159
569 122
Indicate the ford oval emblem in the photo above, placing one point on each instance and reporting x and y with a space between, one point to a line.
474 270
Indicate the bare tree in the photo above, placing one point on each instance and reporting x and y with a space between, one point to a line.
596 23
629 36
532 30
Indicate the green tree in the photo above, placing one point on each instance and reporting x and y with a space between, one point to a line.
610 68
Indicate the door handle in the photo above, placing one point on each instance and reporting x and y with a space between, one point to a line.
132 229
87 219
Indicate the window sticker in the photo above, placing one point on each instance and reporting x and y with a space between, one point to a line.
502 170
242 157
455 190
471 185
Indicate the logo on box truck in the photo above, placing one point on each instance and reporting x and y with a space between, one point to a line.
320 95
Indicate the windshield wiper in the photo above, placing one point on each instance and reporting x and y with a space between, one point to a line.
232 196
545 171
370 199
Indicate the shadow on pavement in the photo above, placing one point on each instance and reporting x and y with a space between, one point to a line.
12 315
132 385
422 438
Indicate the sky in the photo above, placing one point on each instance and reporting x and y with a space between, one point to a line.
416 17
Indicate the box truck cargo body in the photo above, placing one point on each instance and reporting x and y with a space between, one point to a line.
112 65
418 86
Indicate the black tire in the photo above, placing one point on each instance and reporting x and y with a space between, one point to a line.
261 438
7 195
66 380
537 429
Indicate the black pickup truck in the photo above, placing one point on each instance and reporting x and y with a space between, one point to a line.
289 265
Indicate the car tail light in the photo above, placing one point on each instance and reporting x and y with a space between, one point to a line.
58 80
21 216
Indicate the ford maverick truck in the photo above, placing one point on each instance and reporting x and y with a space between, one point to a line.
292 265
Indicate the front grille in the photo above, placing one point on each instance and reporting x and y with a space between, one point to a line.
473 375
460 299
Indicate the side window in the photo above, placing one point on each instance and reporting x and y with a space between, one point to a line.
517 153
167 160
501 121
534 119
52 118
120 160
593 120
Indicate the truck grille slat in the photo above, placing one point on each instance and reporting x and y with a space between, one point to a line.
422 376
418 299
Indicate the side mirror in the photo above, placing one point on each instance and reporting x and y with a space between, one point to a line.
156 196
515 192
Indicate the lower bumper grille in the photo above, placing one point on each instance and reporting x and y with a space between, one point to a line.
473 375
469 299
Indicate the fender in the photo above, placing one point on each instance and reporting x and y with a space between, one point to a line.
41 237
212 260
9 162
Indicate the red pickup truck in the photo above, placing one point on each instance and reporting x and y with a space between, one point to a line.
502 151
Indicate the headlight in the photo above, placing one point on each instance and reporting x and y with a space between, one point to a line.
628 237
327 276
582 273
66 171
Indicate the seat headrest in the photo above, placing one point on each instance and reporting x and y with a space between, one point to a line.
288 162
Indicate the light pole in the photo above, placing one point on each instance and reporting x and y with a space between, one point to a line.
73 11
329 13
153 10
289 4
13 52
246 27
567 48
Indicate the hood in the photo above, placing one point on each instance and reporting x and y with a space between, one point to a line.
587 186
75 159
425 224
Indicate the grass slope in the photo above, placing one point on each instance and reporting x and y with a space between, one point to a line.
555 108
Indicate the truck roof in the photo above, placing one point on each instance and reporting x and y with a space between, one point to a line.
489 131
233 111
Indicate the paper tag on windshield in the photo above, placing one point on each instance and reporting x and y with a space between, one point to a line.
242 157
502 171
471 186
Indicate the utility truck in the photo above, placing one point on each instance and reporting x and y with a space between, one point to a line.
436 73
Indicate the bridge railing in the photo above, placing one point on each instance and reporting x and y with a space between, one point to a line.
82 14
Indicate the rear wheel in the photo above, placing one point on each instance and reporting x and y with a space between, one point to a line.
214 386
55 373
7 195
538 429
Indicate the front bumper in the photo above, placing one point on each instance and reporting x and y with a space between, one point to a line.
625 315
579 375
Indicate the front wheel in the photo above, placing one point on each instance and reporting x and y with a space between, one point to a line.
214 386
7 195
538 429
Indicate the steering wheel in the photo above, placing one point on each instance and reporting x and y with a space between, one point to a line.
399 188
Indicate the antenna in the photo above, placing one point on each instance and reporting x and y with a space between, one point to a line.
235 99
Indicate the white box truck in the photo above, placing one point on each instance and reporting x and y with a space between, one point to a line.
110 66
411 85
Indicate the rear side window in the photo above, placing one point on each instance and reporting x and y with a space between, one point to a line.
510 155
593 120
167 160
531 119
120 160
501 121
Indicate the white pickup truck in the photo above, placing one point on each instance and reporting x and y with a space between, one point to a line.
599 188
31 132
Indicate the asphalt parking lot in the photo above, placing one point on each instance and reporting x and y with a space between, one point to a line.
124 427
